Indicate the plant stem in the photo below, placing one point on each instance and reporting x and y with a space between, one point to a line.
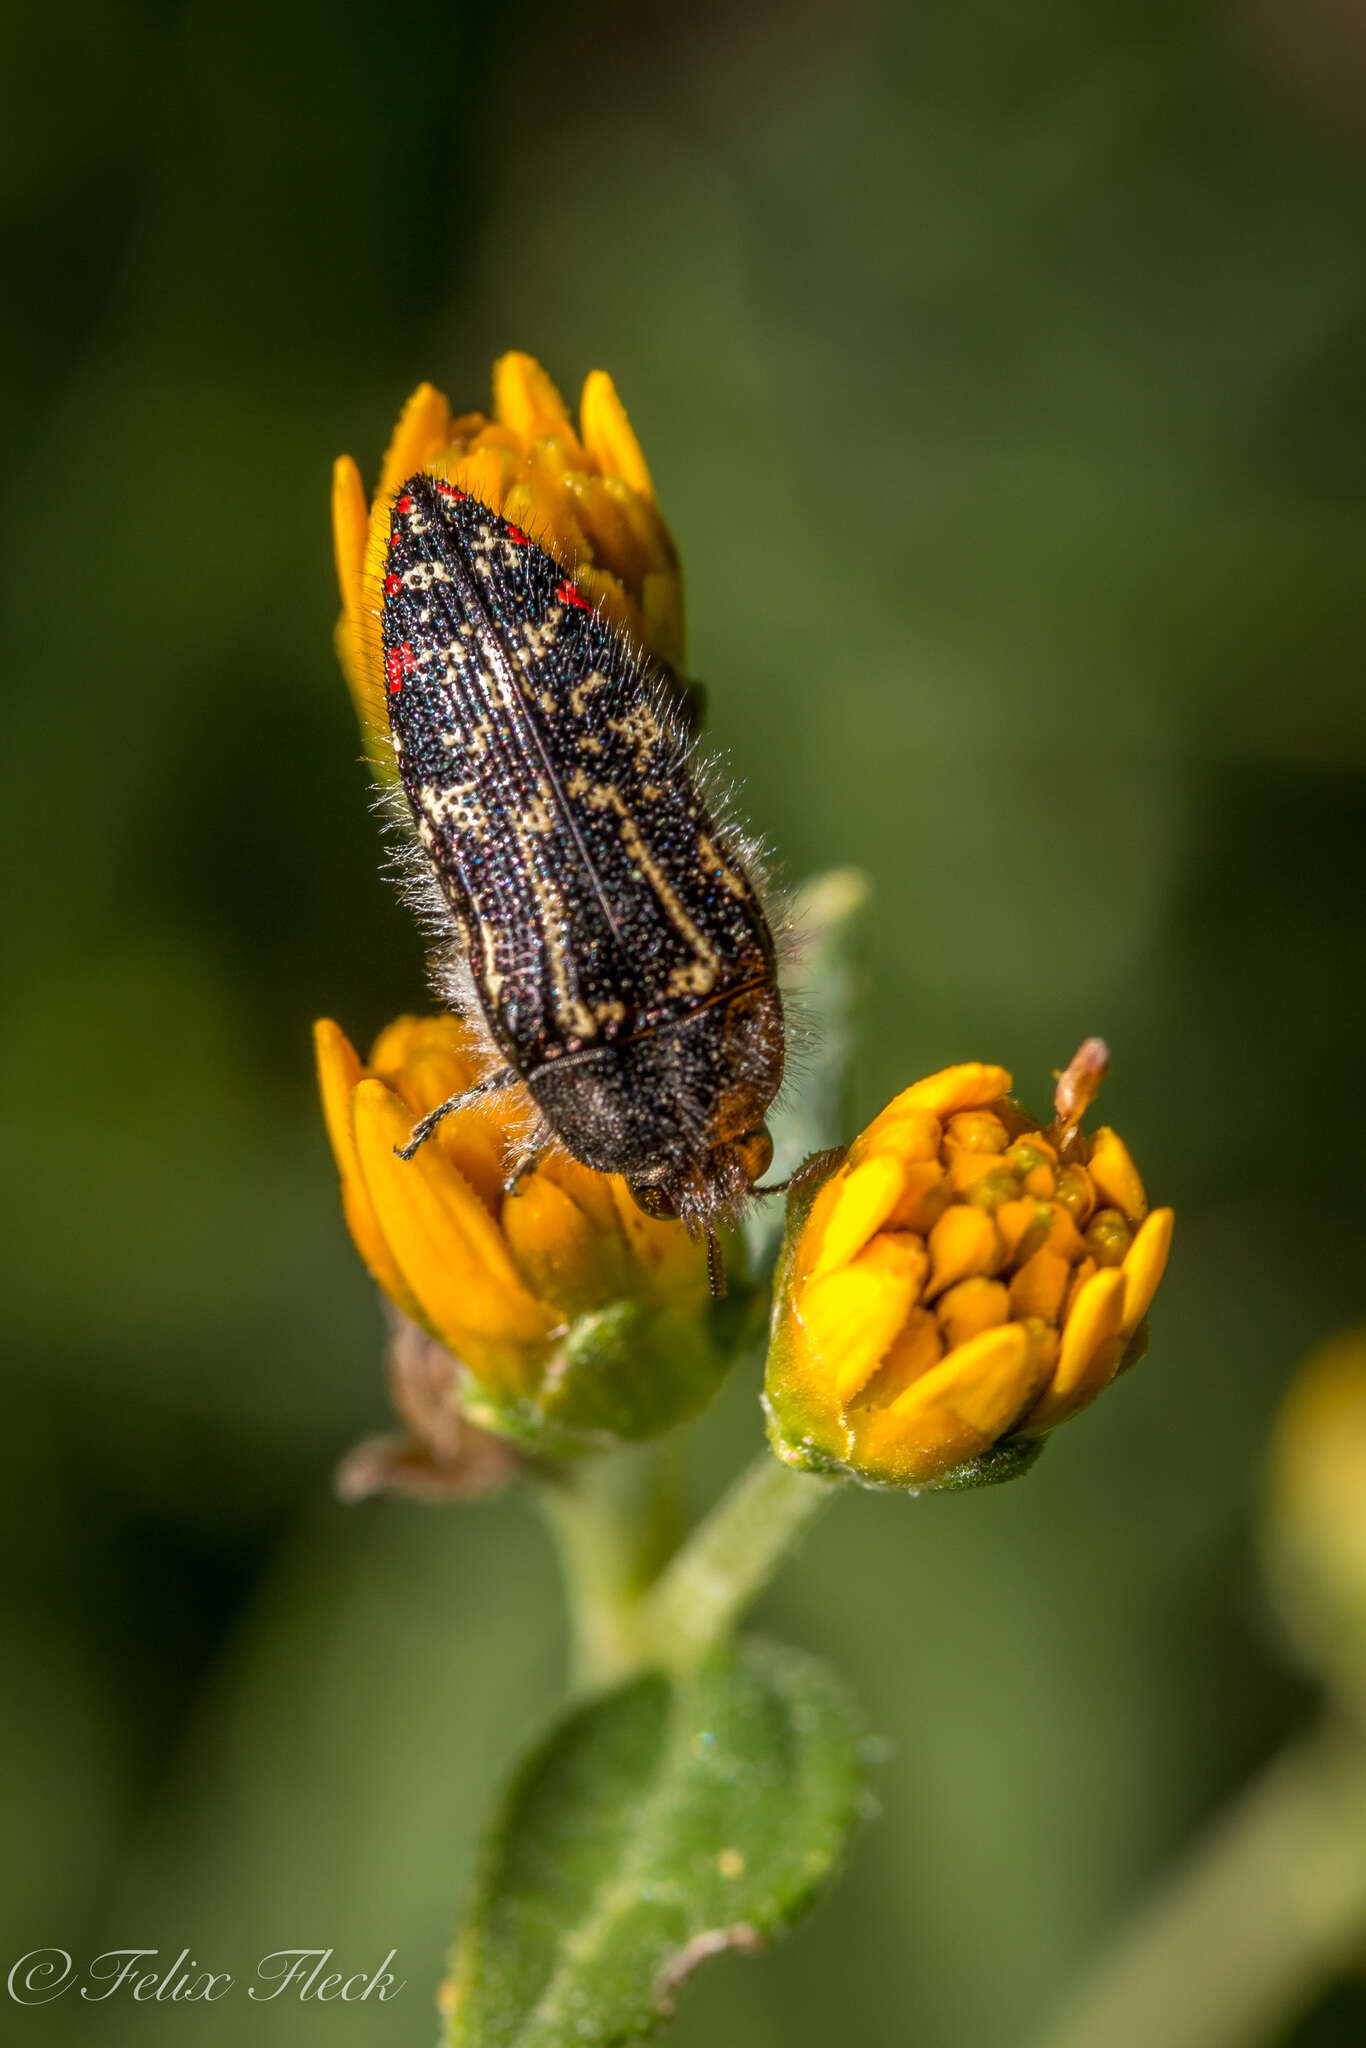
730 1558
1269 1908
615 1519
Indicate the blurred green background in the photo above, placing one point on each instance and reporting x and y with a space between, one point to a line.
1001 373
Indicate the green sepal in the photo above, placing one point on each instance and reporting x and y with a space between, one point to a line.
623 1374
654 1827
1009 1459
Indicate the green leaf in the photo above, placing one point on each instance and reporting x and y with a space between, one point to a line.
658 1825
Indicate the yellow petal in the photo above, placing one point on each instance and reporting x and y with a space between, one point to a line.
1045 1342
423 430
525 399
395 1046
607 434
471 1140
339 1072
924 1198
1145 1263
432 1074
913 1449
1089 1352
552 516
1081 1273
652 541
1024 1226
357 642
350 524
610 538
917 1346
967 1168
964 1241
594 1193
426 1060
970 1086
481 473
451 1253
520 508
910 1133
674 1263
339 1069
851 1316
1040 1286
607 594
562 1257
1115 1175
971 1307
866 1198
985 1383
974 1130
1063 1236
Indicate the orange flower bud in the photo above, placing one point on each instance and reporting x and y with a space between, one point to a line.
537 1291
938 1308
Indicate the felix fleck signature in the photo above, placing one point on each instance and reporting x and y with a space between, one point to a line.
303 1973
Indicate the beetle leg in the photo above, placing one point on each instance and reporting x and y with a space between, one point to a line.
537 1145
422 1130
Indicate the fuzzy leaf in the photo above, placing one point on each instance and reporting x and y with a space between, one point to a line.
654 1827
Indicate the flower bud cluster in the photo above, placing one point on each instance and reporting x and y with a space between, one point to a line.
962 1283
576 1318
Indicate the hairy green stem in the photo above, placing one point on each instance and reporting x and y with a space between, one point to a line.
729 1559
615 1519
1268 1909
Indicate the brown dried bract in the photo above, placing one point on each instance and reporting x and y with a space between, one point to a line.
444 1456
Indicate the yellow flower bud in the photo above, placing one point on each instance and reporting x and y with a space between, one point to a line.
584 495
951 1291
537 1291
1316 1524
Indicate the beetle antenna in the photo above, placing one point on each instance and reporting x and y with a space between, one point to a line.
716 1267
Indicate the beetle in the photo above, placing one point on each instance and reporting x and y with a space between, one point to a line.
593 907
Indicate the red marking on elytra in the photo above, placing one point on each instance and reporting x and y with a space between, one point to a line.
392 585
449 491
403 504
518 538
399 662
569 593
